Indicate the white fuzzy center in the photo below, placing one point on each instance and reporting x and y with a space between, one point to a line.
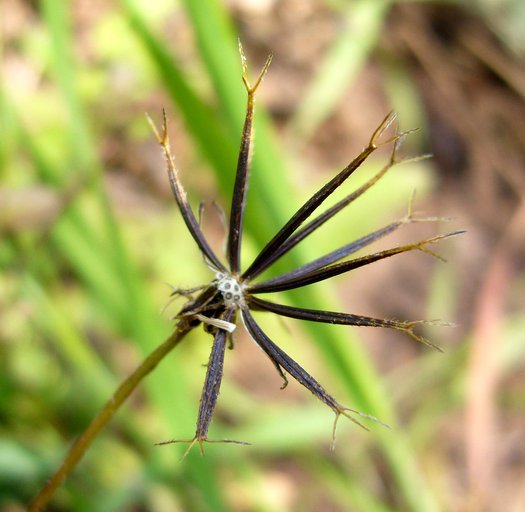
230 289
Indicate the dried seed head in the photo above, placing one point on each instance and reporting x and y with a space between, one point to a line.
233 291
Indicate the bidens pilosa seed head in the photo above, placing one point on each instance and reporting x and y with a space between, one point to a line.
219 304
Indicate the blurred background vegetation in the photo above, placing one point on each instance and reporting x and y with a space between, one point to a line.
90 235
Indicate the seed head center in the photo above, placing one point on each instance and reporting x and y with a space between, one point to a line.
230 288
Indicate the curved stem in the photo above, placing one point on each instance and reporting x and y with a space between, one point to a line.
77 450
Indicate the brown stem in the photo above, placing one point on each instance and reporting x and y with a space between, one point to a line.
81 445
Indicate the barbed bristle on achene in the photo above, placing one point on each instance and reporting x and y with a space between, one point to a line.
233 292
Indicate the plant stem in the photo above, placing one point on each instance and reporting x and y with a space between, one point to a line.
81 445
